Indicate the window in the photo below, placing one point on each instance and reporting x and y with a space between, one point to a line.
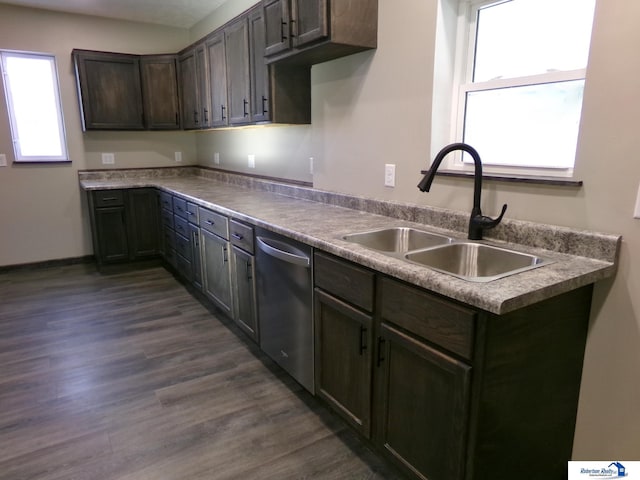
520 81
33 102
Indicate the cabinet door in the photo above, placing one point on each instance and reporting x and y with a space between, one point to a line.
110 91
310 21
196 255
189 91
160 92
343 353
237 50
217 60
259 71
216 269
142 223
111 232
277 26
422 406
202 80
245 292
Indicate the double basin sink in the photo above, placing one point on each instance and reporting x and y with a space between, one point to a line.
471 261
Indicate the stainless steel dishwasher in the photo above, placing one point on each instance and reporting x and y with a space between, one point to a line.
285 303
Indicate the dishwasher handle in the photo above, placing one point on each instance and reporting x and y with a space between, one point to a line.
283 251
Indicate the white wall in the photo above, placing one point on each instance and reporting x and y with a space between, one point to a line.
41 206
376 107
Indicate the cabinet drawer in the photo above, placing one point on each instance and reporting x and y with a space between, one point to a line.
192 213
241 235
166 201
180 207
167 218
345 280
181 226
443 323
108 198
214 223
183 246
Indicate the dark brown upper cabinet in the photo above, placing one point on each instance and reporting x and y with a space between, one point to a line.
237 52
119 91
217 65
193 88
279 93
306 32
110 90
160 92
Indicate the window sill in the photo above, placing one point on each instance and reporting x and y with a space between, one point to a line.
555 181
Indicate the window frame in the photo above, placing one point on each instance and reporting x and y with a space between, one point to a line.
463 83
19 157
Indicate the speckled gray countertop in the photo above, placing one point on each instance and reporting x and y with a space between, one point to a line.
316 218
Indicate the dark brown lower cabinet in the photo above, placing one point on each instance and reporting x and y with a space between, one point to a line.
343 352
243 278
111 232
124 224
422 406
142 207
216 270
443 390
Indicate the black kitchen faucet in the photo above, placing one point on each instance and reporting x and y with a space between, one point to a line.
477 222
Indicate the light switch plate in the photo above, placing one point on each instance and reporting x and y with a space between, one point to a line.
216 158
178 156
3 160
252 161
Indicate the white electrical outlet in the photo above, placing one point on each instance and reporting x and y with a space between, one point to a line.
3 160
178 156
636 211
311 165
252 160
216 158
389 175
108 159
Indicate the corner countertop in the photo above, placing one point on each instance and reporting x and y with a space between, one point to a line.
322 224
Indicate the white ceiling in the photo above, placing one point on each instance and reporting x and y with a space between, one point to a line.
175 13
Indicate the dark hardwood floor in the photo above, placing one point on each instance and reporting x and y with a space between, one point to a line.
127 376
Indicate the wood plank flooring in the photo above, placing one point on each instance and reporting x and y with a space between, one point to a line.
126 376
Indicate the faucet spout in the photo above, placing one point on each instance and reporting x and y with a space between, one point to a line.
477 222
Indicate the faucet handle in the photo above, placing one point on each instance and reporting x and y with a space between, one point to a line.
480 222
490 223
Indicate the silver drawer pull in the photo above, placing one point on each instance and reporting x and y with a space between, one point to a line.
209 222
109 199
190 213
237 236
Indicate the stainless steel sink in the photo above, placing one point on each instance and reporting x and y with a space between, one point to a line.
398 240
476 262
